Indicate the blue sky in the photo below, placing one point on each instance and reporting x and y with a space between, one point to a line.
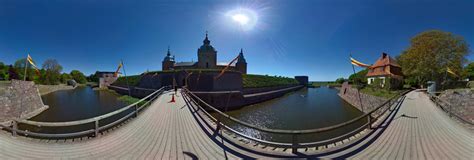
289 38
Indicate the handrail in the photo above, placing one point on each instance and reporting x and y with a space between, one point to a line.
14 127
294 133
88 120
282 131
447 108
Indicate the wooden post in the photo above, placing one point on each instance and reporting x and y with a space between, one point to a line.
369 118
294 146
136 110
96 134
15 127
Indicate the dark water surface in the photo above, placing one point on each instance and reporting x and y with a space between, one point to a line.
76 104
308 108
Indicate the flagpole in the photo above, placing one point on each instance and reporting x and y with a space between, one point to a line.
26 66
358 92
126 79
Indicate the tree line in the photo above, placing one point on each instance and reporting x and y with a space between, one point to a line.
49 74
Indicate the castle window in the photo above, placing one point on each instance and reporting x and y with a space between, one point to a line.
207 64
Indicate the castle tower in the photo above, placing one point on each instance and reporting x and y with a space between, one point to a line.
241 64
168 61
207 55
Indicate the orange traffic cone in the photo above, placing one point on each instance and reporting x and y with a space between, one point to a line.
172 99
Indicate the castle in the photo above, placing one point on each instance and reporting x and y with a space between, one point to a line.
207 59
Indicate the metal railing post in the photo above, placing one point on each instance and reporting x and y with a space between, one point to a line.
294 146
96 133
15 127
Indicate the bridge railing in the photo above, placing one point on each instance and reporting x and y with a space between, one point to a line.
135 107
447 107
371 116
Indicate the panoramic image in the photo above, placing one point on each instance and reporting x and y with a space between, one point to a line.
237 79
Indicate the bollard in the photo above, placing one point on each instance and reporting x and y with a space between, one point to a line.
294 146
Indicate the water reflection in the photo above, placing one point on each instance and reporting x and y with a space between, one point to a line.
77 104
307 108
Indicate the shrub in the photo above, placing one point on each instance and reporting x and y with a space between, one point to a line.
255 81
132 80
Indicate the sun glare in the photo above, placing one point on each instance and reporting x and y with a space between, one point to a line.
245 18
241 19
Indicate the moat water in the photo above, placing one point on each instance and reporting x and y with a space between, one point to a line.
76 104
308 108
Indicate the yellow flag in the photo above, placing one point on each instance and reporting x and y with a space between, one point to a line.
30 60
118 69
357 63
451 71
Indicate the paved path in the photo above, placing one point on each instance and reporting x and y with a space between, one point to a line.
172 131
419 130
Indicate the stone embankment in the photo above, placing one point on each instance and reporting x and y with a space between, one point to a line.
462 101
366 102
20 100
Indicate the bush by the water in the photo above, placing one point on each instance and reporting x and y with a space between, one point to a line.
130 100
132 80
254 81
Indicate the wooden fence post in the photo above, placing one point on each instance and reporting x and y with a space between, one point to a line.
294 146
15 127
369 118
96 134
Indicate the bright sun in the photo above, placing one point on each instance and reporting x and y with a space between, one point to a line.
241 19
246 19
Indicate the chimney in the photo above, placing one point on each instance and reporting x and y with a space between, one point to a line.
384 55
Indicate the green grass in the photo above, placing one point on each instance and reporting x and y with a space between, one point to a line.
379 92
256 81
130 100
132 80
330 84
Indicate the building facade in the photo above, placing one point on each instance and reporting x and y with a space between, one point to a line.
385 67
207 59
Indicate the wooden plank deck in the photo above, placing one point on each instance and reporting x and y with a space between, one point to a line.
173 131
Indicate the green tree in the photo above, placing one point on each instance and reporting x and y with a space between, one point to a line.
340 80
430 54
78 76
359 77
53 71
19 66
65 77
469 71
3 71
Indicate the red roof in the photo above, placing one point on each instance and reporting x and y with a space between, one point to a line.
385 66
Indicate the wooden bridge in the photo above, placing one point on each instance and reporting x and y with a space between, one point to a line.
406 127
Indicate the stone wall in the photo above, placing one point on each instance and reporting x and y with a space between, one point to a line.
264 89
462 101
20 100
136 92
351 96
230 100
204 81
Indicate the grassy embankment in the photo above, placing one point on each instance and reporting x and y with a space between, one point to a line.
132 81
255 81
380 92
